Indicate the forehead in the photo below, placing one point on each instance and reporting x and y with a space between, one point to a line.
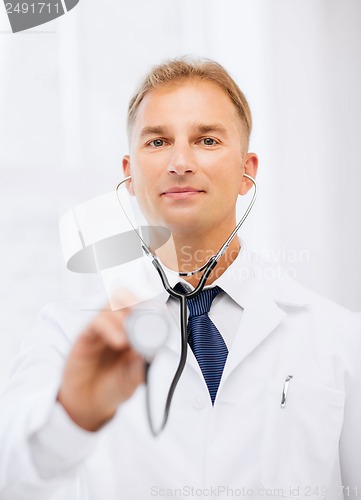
184 103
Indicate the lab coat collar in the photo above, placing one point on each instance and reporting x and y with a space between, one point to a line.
268 304
261 289
246 274
270 296
260 318
247 277
265 295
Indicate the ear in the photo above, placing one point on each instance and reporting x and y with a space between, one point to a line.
127 173
250 167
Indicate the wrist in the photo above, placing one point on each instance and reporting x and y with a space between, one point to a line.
88 419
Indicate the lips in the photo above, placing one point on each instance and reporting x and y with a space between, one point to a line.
180 193
186 189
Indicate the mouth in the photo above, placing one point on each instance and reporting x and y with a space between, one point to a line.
178 193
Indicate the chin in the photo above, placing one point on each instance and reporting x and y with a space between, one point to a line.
186 226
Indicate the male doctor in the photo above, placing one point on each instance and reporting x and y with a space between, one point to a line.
277 412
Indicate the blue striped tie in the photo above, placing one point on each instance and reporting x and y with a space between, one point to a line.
204 339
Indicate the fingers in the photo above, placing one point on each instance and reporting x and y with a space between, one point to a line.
102 371
108 326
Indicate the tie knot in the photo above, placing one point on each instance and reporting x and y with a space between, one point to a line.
200 304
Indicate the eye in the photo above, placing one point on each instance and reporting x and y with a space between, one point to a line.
157 143
208 141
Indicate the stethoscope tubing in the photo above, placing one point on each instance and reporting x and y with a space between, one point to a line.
183 298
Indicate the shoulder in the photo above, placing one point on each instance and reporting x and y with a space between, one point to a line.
291 292
326 317
269 278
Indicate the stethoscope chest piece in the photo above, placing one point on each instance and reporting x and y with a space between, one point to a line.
147 332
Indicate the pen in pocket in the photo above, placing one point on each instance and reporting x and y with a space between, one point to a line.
285 390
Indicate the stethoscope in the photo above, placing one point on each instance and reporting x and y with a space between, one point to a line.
136 324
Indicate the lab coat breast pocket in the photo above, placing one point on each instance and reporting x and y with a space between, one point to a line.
300 441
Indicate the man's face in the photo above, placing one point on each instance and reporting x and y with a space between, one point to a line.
186 158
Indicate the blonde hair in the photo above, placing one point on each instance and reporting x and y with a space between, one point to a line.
185 68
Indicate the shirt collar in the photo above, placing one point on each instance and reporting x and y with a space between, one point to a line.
244 279
236 280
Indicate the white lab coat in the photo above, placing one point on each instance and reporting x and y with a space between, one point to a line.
245 446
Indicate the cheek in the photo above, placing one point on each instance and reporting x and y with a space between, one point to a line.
230 186
143 185
222 160
228 173
211 159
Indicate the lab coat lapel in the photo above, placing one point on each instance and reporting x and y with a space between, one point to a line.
260 318
264 311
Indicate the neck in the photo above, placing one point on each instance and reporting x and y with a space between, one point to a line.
186 255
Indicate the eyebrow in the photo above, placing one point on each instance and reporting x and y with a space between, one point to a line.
202 128
158 130
212 127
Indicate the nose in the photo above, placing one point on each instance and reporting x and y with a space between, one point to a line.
181 161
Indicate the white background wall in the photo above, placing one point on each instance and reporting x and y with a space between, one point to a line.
64 88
